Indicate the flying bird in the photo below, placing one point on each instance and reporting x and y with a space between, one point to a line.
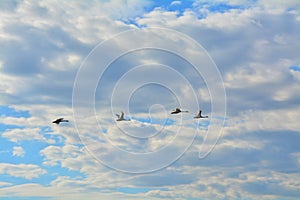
121 117
57 121
177 110
199 115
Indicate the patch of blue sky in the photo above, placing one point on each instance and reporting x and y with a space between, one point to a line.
44 179
130 21
181 6
219 7
223 7
6 111
163 122
292 9
58 170
168 5
136 190
104 130
295 68
6 149
4 127
212 6
203 124
59 139
52 172
31 148
169 122
14 180
47 133
55 171
173 5
8 5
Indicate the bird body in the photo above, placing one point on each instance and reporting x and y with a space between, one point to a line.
199 115
121 117
177 110
57 121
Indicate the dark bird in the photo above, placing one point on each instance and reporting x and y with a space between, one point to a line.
199 115
121 117
57 121
177 110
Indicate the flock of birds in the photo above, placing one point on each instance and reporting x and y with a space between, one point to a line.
121 116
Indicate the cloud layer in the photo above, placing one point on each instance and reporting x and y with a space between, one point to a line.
254 44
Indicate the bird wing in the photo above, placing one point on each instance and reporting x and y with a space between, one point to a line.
57 120
118 115
122 115
199 113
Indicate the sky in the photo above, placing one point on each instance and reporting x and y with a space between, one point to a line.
236 60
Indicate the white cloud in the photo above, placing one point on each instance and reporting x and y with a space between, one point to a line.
158 17
18 151
65 192
175 3
3 184
260 120
41 116
60 155
253 49
17 135
27 171
253 75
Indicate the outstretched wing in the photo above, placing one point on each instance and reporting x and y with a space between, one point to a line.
122 115
57 121
118 115
199 113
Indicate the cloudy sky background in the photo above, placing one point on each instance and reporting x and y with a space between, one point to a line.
254 44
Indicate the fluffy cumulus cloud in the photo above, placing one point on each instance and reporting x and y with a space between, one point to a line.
48 69
27 171
18 151
17 135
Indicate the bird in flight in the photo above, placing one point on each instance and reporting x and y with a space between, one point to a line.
121 117
177 110
57 121
199 115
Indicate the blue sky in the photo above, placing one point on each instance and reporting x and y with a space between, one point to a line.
155 56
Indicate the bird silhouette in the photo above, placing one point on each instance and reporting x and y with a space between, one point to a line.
121 117
57 121
177 110
199 115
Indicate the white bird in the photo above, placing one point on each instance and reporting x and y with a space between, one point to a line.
121 117
199 115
